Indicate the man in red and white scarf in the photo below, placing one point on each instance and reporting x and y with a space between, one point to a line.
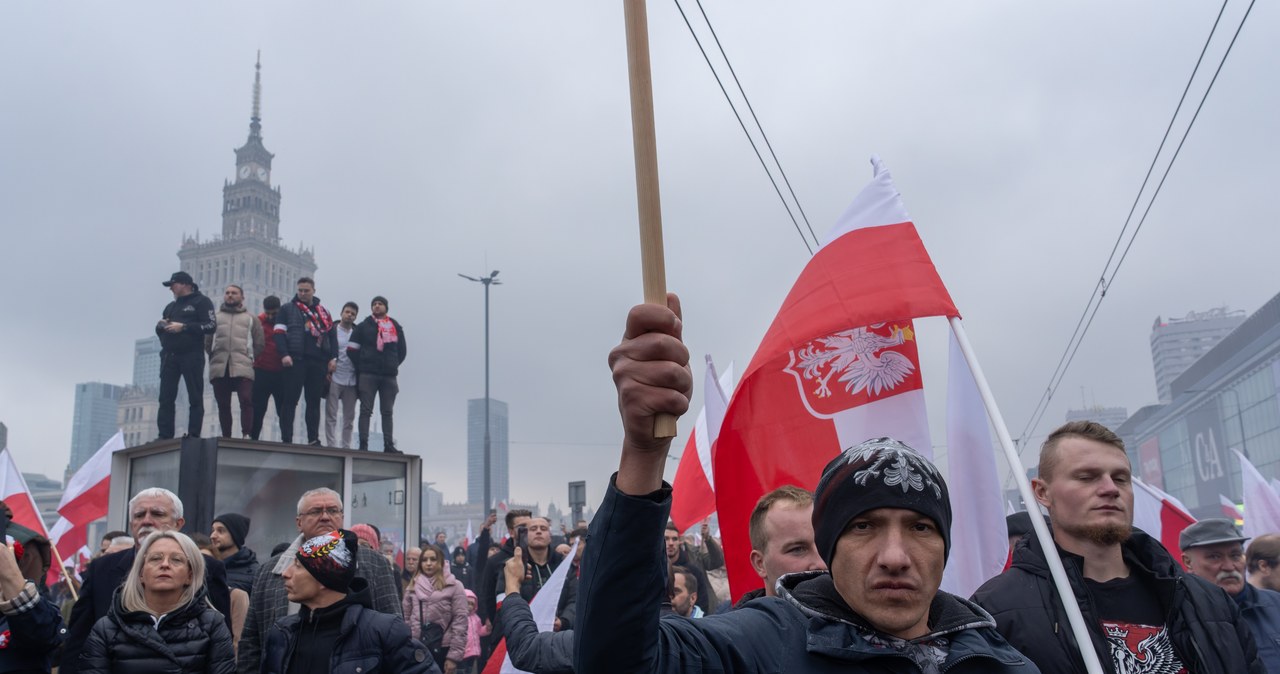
308 350
377 348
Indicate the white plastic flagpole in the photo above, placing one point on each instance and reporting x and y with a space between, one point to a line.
1065 593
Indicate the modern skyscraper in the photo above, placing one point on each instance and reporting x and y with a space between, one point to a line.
94 421
499 449
146 362
1176 343
249 254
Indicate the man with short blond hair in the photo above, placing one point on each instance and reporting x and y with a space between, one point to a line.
1139 606
781 531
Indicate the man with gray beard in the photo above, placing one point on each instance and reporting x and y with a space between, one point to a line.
1143 612
1214 550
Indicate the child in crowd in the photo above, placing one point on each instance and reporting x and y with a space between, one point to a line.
475 630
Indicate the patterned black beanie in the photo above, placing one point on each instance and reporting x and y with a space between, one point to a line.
331 558
879 473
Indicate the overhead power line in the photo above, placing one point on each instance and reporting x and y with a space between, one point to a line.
760 128
1104 280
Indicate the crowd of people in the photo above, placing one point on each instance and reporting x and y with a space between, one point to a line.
292 352
850 577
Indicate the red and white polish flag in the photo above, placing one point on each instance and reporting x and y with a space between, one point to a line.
85 499
837 366
693 496
1160 516
16 495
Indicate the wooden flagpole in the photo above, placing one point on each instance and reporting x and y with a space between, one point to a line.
646 155
75 596
1065 594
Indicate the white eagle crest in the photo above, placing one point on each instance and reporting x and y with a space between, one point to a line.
1155 655
894 464
853 355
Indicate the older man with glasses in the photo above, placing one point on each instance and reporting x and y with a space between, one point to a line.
319 512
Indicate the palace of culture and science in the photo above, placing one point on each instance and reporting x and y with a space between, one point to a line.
249 253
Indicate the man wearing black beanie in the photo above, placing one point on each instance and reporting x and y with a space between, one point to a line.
227 535
881 521
377 348
337 624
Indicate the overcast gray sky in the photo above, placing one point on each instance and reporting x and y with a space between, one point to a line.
417 140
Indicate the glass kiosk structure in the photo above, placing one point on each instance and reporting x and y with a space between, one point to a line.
264 480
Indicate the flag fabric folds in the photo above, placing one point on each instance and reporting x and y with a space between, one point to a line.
543 608
15 493
85 499
1261 502
837 366
693 496
1160 515
976 494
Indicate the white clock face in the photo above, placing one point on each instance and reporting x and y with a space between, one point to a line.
244 171
262 173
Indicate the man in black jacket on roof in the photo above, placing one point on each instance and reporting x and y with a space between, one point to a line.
308 348
182 327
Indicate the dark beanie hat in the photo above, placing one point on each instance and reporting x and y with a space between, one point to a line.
879 473
380 298
331 558
237 525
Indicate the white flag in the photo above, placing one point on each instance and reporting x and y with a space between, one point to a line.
981 545
544 603
1261 502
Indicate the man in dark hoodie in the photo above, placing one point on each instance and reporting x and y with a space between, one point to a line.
228 534
882 524
677 555
337 628
377 349
308 349
182 327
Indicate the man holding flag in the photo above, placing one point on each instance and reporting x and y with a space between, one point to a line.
882 522
30 625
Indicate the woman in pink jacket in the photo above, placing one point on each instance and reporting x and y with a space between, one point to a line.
436 609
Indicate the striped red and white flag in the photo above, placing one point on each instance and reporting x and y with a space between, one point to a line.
1160 516
15 494
693 494
837 366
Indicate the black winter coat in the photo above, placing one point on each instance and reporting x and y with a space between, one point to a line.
191 639
296 342
242 567
97 595
365 356
1204 624
808 629
365 641
195 313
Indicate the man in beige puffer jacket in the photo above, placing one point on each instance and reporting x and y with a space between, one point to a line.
232 347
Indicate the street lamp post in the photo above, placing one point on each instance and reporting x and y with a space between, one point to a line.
489 280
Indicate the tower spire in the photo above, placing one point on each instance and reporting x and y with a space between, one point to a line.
255 120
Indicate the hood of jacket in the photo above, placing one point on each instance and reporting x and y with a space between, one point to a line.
238 309
1140 550
243 557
